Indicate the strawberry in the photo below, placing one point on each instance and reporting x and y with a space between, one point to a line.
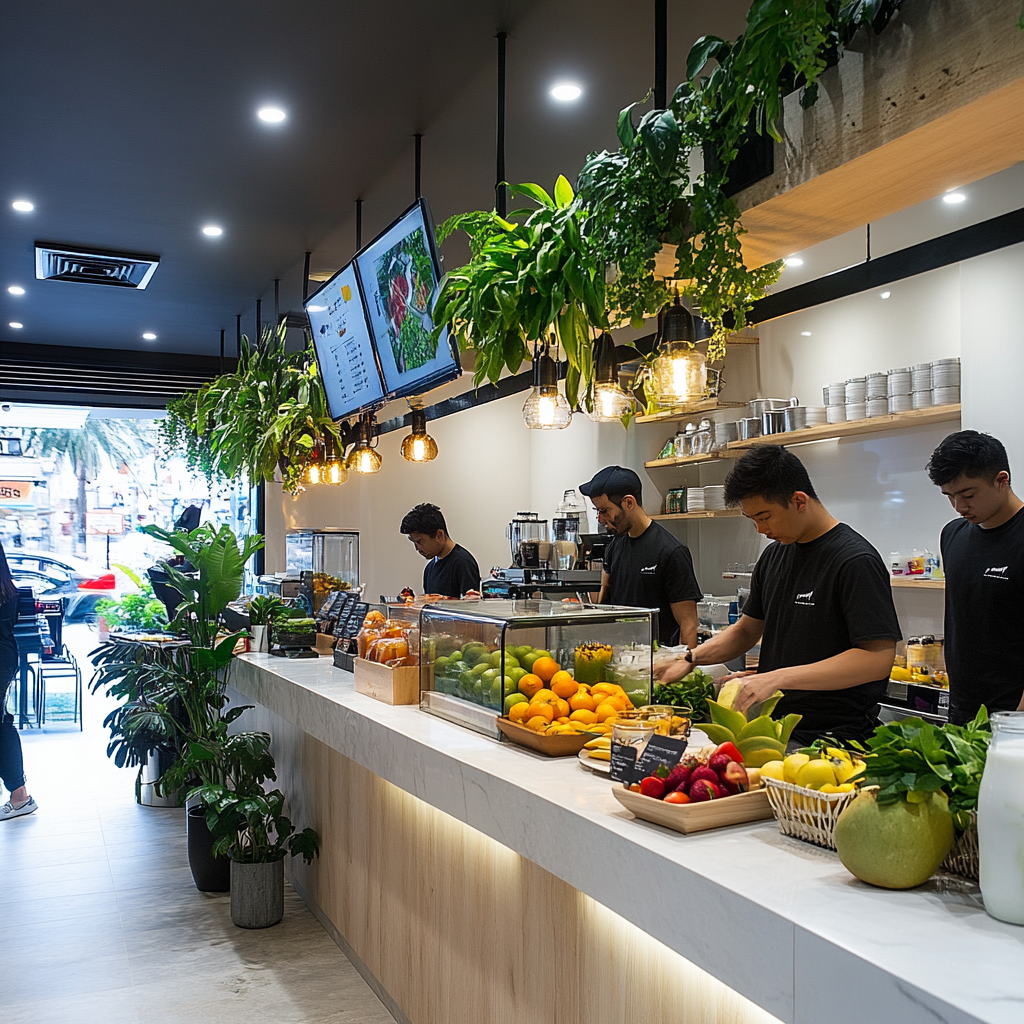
679 777
705 773
701 790
653 786
719 762
731 750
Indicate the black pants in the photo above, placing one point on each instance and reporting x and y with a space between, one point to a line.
12 767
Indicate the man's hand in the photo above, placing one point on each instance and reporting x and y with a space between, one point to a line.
674 668
756 688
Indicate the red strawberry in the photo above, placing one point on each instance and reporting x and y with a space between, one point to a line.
701 790
653 786
720 762
679 777
731 750
705 773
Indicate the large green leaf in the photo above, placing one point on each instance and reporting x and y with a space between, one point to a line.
625 129
563 192
706 48
535 192
661 135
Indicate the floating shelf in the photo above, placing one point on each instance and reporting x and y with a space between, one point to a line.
829 431
918 583
691 460
686 411
725 513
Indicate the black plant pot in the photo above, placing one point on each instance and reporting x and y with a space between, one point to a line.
211 874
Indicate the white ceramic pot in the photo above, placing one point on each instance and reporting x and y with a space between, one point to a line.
259 638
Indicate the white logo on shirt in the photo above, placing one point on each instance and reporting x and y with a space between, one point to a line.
997 572
649 570
805 599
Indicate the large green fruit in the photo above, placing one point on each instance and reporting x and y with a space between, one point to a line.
895 846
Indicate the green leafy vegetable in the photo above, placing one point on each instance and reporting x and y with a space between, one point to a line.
692 691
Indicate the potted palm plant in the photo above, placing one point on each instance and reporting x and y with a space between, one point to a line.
261 612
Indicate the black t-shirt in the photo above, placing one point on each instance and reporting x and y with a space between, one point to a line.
818 600
984 645
654 570
452 575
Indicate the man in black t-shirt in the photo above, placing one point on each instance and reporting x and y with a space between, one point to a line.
644 565
820 600
451 570
983 559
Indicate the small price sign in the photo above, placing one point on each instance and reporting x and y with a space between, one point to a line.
623 763
660 750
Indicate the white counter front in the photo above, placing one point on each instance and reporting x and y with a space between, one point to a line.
777 920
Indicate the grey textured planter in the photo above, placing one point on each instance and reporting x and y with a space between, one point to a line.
257 894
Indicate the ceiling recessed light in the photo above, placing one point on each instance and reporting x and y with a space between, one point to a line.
15 325
213 231
149 336
885 295
16 289
794 261
272 115
23 206
566 92
953 197
805 334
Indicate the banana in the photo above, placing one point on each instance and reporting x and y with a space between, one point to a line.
603 743
601 755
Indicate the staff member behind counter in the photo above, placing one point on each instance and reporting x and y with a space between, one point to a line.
644 565
450 570
820 600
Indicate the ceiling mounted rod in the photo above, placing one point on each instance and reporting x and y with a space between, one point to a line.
419 162
500 192
660 54
238 335
222 350
359 224
305 278
259 303
277 301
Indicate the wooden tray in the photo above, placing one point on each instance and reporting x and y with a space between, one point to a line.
553 746
389 685
687 818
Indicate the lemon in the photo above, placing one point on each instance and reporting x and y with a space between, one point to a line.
829 787
845 787
846 770
815 774
791 765
774 770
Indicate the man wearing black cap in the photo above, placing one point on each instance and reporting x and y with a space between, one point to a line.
644 565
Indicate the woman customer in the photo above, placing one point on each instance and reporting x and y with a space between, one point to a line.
12 769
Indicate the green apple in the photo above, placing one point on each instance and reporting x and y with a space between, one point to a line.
527 660
489 675
481 667
511 661
509 686
441 665
494 658
515 674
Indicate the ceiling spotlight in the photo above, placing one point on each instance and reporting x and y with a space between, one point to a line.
272 115
149 336
805 334
885 295
16 289
15 325
23 206
953 198
794 261
566 92
213 231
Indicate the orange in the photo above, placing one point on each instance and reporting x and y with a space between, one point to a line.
519 712
530 684
538 723
564 685
583 688
534 710
617 701
608 688
605 712
545 668
562 720
582 715
562 708
582 702
545 696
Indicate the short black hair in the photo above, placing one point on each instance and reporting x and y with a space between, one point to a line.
425 518
637 493
968 453
767 471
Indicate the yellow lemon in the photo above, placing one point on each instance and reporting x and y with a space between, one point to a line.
815 774
773 770
792 765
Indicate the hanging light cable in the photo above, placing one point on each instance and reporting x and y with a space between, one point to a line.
609 403
419 446
546 408
363 458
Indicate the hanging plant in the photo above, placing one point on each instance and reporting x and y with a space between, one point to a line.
265 418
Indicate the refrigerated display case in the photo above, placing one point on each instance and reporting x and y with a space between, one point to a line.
332 555
473 653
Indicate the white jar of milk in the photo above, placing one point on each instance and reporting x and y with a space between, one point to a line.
1001 820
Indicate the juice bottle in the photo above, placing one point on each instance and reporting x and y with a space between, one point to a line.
1001 820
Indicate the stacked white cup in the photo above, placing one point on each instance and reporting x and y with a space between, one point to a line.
856 398
898 389
878 399
945 381
921 385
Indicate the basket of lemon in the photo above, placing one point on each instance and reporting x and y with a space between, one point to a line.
810 789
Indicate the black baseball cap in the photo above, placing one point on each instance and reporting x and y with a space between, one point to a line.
612 480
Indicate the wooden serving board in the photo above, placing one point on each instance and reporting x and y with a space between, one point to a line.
687 818
552 746
388 685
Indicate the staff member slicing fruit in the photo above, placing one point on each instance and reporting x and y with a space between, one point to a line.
820 600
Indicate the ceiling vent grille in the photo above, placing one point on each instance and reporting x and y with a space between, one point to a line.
94 266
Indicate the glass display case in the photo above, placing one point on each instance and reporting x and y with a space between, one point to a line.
331 554
473 653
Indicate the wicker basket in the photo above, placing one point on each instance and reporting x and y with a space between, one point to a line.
963 858
806 813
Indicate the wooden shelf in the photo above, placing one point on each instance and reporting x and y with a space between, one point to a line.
725 513
691 460
684 412
918 583
829 431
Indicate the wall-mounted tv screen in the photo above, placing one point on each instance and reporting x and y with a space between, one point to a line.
344 350
399 271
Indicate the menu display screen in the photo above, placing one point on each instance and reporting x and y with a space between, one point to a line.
399 272
344 350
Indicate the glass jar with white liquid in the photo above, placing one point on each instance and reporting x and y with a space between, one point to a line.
1001 820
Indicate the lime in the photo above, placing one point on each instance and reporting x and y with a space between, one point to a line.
481 667
515 674
511 661
441 665
494 658
510 687
489 675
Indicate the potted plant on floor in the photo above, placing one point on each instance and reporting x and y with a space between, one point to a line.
249 825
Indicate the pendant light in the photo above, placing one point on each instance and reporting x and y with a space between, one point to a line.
334 471
680 372
419 446
313 471
362 458
609 402
546 408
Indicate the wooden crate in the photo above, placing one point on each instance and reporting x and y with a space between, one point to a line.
390 685
687 818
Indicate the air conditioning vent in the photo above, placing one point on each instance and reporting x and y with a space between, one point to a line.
94 266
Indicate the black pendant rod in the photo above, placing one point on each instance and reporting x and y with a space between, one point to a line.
222 350
500 192
238 335
419 162
259 303
660 54
277 301
359 224
305 278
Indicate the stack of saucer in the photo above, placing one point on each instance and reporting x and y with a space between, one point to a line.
921 377
714 498
835 394
695 499
856 391
816 415
856 411
835 413
898 388
945 381
878 386
877 407
922 399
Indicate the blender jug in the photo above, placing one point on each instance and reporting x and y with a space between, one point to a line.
565 540
528 539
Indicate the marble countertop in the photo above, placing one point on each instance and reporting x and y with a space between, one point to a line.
776 919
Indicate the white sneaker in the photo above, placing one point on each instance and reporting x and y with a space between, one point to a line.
10 811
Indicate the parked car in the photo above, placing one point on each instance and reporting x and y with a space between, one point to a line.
81 585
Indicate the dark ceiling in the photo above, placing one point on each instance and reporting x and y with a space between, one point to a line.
130 126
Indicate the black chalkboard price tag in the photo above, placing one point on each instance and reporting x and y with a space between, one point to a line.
623 763
660 750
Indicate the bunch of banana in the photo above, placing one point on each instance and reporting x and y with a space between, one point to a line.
600 749
757 736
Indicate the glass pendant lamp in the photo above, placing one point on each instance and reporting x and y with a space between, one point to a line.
419 446
680 372
313 473
363 458
610 403
334 471
546 408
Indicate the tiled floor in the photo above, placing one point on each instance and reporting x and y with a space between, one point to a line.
100 920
